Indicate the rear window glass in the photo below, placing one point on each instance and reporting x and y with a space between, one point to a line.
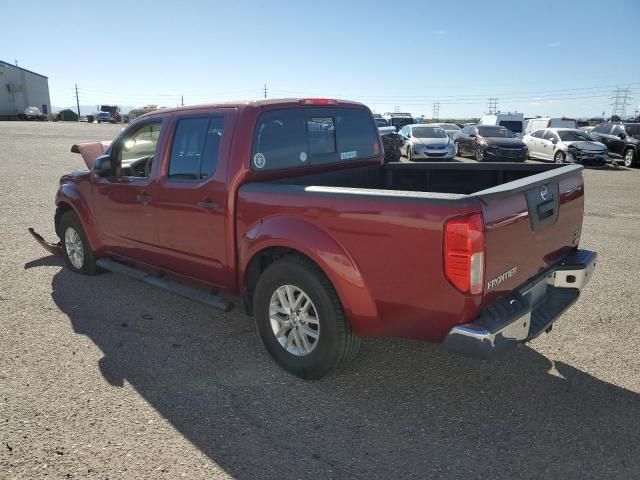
291 138
513 125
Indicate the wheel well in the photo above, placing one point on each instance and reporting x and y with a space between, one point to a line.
259 263
61 209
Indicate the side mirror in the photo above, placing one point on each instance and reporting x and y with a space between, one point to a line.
554 141
102 166
622 136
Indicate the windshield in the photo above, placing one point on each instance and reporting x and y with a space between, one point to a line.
573 136
495 132
381 122
633 130
428 132
513 125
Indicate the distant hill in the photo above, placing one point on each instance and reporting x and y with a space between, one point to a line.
90 109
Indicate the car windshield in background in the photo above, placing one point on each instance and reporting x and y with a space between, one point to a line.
514 125
570 136
632 130
296 137
400 122
495 132
428 132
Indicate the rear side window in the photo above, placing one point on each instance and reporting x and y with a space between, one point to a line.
195 149
290 138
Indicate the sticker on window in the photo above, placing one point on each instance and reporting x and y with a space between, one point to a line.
303 156
259 161
348 155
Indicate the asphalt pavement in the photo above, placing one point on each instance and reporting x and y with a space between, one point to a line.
103 377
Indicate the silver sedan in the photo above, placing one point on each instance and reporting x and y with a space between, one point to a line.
426 142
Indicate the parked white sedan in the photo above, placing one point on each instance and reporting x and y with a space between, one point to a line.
566 145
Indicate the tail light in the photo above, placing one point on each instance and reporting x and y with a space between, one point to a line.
464 253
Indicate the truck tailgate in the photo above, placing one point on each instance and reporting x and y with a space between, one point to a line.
530 224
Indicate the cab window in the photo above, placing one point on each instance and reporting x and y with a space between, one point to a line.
133 154
195 148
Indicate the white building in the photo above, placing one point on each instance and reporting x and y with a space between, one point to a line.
21 88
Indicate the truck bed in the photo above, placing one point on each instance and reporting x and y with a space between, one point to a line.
426 177
391 218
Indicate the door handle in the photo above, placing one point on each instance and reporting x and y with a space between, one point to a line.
208 205
144 198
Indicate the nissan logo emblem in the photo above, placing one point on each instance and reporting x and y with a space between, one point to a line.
544 193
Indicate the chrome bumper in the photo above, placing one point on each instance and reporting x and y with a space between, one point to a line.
526 312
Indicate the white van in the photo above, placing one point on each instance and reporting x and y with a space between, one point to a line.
534 124
512 121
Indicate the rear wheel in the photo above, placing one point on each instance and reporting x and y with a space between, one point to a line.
478 154
630 158
301 321
409 154
559 157
76 249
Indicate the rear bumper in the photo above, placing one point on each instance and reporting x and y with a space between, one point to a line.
527 311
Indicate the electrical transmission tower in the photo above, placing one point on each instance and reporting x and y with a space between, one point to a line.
436 110
493 105
396 108
265 90
621 97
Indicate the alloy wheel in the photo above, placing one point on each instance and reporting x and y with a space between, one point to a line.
73 246
294 320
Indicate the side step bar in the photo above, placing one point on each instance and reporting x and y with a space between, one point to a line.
186 291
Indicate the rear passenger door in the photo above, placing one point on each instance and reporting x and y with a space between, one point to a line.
191 196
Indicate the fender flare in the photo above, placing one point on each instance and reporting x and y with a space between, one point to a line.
68 194
308 239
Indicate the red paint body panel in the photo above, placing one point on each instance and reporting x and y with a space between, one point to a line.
383 254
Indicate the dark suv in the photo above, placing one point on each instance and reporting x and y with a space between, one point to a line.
621 139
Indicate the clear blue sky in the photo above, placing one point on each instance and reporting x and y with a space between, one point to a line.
539 57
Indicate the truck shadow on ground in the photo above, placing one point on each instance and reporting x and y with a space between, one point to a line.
403 410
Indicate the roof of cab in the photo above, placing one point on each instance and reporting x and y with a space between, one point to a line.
283 102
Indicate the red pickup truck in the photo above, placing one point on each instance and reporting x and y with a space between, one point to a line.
290 205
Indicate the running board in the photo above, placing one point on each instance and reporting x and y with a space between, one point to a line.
172 286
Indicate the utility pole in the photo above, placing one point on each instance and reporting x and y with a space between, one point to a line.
78 102
493 105
436 110
182 100
265 90
621 97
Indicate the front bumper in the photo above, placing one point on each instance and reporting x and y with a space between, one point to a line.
443 154
505 155
526 312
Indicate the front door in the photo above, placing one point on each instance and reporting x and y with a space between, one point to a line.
122 200
191 197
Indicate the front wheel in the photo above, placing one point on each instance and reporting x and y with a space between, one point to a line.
409 154
479 154
559 157
301 321
458 151
630 158
76 249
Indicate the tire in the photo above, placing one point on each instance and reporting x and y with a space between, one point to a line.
559 157
630 158
335 344
71 232
409 154
99 121
478 154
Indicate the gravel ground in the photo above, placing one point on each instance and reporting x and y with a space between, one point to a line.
102 377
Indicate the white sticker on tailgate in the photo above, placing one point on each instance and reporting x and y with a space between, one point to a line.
348 155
